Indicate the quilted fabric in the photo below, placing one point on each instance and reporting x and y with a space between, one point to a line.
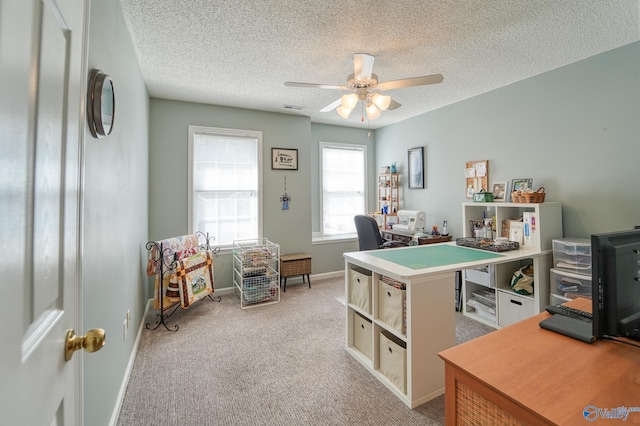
180 247
195 278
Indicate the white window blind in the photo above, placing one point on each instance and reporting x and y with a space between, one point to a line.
343 186
225 187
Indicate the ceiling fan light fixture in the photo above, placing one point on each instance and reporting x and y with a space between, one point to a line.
372 112
381 101
349 101
343 112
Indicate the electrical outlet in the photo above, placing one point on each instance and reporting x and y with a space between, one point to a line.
124 330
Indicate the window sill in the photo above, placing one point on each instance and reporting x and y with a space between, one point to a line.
328 239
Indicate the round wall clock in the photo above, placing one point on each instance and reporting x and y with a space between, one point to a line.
101 104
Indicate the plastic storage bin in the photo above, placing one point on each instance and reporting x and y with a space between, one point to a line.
393 361
483 303
573 255
483 275
360 289
568 285
391 306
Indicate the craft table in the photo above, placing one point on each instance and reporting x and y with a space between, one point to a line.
428 272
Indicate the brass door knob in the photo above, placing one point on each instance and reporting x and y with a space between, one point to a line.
93 341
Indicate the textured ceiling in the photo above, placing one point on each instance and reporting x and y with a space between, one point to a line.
239 53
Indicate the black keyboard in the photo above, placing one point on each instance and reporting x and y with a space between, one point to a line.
569 312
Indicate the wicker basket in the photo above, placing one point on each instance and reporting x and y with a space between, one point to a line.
295 267
528 197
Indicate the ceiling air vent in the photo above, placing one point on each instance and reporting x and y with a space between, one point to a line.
297 108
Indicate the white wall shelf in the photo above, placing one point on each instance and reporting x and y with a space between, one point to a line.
493 282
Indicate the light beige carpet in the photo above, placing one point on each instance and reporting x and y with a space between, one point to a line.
280 364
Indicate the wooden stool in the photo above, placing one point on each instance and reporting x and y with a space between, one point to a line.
294 264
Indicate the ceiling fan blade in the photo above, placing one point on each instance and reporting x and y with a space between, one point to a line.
314 85
410 82
394 105
332 106
362 66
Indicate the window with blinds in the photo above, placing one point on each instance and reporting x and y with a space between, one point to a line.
343 186
225 196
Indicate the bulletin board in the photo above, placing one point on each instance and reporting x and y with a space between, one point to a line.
476 177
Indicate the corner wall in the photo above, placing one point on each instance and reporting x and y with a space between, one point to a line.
168 148
574 130
115 214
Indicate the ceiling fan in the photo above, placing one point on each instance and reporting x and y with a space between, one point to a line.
364 83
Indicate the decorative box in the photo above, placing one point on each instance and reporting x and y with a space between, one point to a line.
483 197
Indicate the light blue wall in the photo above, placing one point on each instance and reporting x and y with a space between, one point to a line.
574 130
115 214
168 173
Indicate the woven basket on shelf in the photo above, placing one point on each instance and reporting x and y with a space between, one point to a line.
528 197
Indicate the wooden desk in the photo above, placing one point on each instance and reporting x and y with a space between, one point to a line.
405 238
523 374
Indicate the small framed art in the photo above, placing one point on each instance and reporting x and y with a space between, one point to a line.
500 191
521 184
284 159
416 168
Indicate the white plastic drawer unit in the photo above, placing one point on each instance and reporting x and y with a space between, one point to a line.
483 275
572 254
360 289
569 285
393 361
513 307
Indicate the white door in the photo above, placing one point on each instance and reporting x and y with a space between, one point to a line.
42 79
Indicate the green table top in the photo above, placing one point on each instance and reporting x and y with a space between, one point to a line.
428 256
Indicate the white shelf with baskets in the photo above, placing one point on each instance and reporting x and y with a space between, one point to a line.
256 274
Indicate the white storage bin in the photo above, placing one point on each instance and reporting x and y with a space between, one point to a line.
569 285
572 254
483 275
362 334
483 303
513 307
554 299
391 306
360 290
393 361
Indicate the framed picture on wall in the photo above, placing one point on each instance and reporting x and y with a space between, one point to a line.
500 191
284 159
521 184
416 168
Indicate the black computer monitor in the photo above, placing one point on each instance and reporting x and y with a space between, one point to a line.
616 283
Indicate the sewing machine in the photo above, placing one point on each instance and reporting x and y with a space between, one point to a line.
410 221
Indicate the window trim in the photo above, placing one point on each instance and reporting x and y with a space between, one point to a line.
190 171
345 146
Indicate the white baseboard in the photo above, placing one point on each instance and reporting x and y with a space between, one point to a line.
127 373
335 274
290 280
132 358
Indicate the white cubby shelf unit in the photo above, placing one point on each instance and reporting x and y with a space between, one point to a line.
486 292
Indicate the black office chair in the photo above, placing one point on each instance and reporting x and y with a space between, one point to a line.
369 237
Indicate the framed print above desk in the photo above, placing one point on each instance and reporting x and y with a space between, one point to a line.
416 168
